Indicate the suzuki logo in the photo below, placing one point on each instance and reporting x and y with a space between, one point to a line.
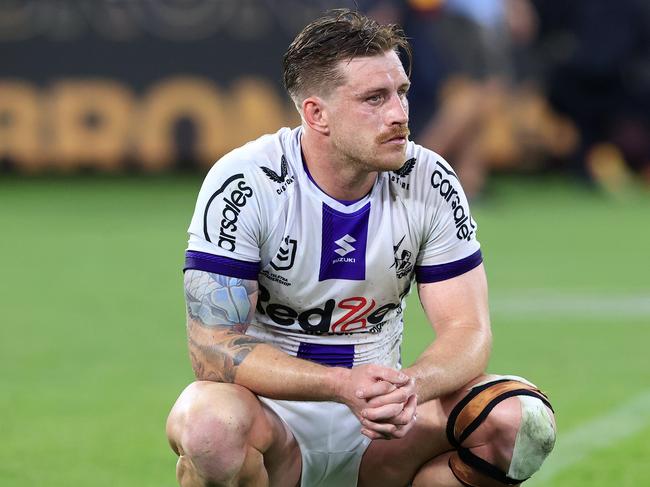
344 242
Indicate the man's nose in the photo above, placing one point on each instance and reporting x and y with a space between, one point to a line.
398 110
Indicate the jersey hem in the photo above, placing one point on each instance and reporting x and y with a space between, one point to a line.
216 264
442 272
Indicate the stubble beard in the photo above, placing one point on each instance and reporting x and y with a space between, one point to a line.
386 157
374 156
397 160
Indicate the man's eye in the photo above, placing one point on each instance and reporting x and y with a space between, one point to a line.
374 99
403 92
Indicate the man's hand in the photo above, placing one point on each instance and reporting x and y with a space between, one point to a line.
390 415
382 398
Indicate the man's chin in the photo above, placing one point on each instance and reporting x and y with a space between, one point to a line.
396 161
386 160
391 165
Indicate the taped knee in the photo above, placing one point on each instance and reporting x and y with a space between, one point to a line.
534 441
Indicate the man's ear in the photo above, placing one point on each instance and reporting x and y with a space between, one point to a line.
315 113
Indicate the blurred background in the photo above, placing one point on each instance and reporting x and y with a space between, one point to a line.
112 111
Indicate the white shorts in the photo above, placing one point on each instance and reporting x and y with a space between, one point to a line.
330 440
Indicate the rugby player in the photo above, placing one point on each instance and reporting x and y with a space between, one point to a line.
302 249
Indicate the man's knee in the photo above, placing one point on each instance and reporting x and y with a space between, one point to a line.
210 427
503 431
533 432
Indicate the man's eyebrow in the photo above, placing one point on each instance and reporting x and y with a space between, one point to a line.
373 91
382 89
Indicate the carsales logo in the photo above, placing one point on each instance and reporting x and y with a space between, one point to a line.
232 206
359 314
465 226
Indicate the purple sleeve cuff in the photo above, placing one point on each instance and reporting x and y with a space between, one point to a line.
225 266
442 272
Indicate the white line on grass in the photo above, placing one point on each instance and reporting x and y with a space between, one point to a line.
546 303
595 435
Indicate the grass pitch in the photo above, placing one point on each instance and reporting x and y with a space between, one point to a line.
92 339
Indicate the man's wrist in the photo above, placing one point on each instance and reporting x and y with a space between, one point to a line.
336 378
426 384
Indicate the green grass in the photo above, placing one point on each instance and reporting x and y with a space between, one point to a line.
624 464
92 343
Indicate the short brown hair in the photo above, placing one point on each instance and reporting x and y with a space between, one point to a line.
312 58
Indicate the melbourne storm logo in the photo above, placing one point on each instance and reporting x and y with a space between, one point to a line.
283 179
402 263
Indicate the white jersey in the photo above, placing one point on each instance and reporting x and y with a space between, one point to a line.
333 275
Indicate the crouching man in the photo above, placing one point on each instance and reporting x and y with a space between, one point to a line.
303 247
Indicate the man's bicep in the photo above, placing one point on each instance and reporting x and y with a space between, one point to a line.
218 300
459 301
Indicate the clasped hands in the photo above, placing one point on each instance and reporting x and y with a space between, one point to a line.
383 399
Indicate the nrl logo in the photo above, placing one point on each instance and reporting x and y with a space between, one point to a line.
283 179
402 262
286 255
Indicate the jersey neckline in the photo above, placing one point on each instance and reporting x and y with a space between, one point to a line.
317 191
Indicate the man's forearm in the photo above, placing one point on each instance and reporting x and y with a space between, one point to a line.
219 311
452 360
223 355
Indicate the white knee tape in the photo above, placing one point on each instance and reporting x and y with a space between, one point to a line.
535 438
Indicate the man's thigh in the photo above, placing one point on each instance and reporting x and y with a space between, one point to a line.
395 462
232 417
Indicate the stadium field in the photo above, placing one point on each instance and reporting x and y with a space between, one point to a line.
92 340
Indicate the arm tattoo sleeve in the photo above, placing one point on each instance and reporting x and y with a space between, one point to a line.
219 310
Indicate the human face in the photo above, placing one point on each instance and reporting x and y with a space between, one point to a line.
368 117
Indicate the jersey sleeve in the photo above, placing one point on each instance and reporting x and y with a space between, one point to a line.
449 245
224 234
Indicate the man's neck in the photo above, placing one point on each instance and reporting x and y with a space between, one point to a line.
340 179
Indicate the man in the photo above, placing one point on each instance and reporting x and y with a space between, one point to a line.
302 249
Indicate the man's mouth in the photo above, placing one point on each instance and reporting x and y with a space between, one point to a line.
397 138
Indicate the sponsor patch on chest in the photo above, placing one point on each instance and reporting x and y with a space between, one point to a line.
343 244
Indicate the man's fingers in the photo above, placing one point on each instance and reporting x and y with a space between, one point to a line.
382 413
399 395
395 427
401 431
379 388
384 387
392 413
386 429
393 376
373 435
408 413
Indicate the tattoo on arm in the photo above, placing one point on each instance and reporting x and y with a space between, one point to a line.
213 299
219 310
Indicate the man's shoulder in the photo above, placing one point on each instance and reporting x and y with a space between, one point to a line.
257 153
265 165
238 202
